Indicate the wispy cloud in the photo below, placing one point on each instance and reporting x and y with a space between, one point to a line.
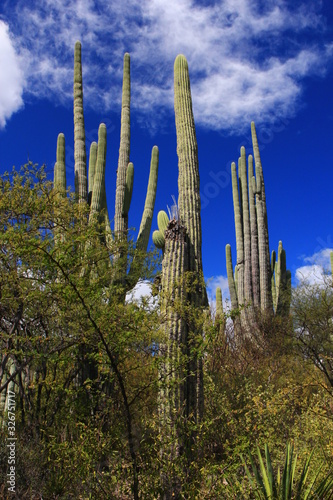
11 77
246 61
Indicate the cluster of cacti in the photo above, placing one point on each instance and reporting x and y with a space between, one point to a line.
91 188
253 285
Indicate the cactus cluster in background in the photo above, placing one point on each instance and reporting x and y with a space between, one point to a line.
257 283
91 188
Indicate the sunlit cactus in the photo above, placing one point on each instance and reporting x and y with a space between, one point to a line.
261 284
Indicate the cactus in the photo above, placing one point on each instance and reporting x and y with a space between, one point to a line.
95 193
260 281
182 287
219 314
282 290
121 217
60 169
80 167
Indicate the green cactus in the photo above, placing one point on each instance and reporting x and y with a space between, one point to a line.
158 239
162 221
231 279
121 217
219 315
182 287
282 290
158 235
60 168
80 168
95 195
331 256
128 188
257 285
92 167
98 193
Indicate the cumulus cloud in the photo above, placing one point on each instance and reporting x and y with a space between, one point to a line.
11 77
247 61
315 271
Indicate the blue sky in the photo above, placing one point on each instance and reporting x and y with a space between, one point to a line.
267 61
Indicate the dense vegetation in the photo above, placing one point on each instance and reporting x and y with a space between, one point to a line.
161 398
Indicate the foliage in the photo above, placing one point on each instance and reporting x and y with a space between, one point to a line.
266 486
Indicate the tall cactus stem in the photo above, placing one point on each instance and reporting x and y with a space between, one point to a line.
254 235
81 188
128 188
98 194
231 281
239 235
189 204
121 218
147 216
92 168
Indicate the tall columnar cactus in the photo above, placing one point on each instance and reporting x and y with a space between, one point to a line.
281 283
189 204
219 314
263 240
81 188
121 217
189 207
182 278
259 282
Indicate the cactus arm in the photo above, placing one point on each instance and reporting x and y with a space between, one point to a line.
92 168
98 193
158 239
147 216
80 168
121 219
128 188
331 257
162 221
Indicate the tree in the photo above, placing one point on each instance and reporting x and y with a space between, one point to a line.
51 307
312 307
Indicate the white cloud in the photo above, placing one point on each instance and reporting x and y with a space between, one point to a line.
141 290
241 66
11 77
315 271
